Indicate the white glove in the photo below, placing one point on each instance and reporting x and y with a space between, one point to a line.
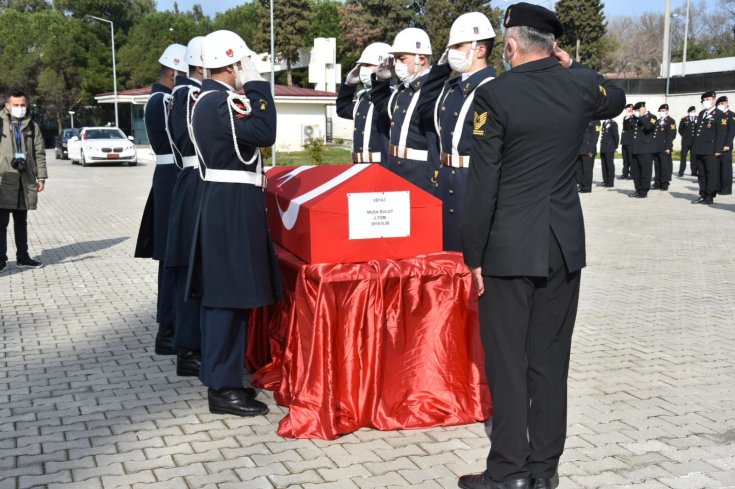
385 69
249 71
353 77
444 57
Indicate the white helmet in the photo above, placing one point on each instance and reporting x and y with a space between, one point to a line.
412 41
174 57
194 51
223 48
472 26
374 53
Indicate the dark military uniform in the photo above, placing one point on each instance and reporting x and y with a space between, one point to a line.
643 150
233 265
687 125
372 127
526 231
455 122
710 138
663 139
609 140
159 202
586 156
726 158
626 141
413 149
184 206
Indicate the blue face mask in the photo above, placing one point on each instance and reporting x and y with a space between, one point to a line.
506 63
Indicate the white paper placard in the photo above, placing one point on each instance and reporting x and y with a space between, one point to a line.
379 214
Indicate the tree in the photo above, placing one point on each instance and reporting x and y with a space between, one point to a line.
244 20
292 26
24 5
326 19
357 32
124 13
387 16
584 27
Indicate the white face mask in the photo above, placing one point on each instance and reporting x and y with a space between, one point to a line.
693 113
707 104
458 60
365 74
18 112
506 62
636 113
662 115
402 72
723 108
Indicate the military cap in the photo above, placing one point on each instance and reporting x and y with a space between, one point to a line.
534 16
629 106
721 99
709 94
639 105
691 108
664 107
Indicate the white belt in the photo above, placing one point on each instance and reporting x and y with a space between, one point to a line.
235 176
165 159
190 161
408 153
366 157
455 161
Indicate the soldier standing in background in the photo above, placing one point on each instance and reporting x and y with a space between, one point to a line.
586 158
626 140
686 131
726 159
664 143
609 139
710 139
643 149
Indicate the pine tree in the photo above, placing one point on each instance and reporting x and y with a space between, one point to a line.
584 29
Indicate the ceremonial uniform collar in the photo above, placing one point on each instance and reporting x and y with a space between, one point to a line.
538 65
210 84
157 87
471 82
419 81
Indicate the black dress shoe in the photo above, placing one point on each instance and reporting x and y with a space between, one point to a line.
601 185
188 363
724 193
165 340
665 188
585 191
681 173
698 200
634 194
484 481
655 187
549 483
235 401
641 195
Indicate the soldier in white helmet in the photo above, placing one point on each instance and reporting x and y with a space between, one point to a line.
371 126
184 206
234 267
413 145
154 226
470 45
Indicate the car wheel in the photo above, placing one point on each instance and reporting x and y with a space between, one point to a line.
132 163
83 160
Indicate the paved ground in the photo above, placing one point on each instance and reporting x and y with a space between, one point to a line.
85 403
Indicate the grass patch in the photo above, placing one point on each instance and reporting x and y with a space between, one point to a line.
332 156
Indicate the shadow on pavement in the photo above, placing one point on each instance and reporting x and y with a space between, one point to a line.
62 253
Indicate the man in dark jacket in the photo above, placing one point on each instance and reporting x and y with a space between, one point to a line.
524 241
609 140
664 142
586 157
686 131
723 105
710 141
22 175
626 140
643 149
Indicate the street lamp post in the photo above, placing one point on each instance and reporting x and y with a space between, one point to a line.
273 75
686 38
668 69
71 114
114 68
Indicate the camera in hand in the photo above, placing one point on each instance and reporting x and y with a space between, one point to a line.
19 164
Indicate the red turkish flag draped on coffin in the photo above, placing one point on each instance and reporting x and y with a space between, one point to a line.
351 214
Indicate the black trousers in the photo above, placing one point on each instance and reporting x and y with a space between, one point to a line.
640 170
726 173
663 166
224 340
187 314
578 172
685 150
165 303
708 175
20 228
585 165
608 168
526 325
627 161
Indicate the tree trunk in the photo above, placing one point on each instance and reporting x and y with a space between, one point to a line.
579 42
289 76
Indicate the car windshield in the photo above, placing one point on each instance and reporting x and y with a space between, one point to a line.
104 134
69 133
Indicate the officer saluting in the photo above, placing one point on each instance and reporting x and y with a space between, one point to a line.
371 131
609 139
184 205
643 149
626 140
233 262
686 131
664 142
470 44
710 139
154 225
586 157
524 242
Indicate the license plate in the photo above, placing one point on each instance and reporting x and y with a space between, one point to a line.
113 155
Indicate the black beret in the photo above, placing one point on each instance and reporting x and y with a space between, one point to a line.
664 107
721 99
629 106
691 108
639 105
535 16
709 94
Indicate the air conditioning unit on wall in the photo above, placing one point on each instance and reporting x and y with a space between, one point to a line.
309 131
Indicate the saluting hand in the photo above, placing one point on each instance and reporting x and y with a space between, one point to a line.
477 276
564 59
353 77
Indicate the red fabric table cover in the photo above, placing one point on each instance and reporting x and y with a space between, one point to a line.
387 344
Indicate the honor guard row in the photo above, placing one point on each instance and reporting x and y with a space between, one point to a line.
421 128
205 218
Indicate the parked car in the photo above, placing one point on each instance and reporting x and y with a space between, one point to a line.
102 145
62 141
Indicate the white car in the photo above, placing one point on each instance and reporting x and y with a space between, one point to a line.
102 145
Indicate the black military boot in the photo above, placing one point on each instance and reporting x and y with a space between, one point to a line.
188 363
165 340
239 402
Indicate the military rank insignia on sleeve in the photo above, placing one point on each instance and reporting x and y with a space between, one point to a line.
673 126
263 104
724 122
603 91
479 124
